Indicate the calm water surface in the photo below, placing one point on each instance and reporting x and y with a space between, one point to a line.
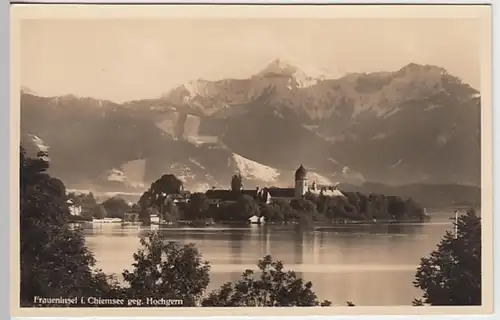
369 265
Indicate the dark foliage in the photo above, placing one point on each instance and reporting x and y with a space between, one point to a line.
236 182
53 258
155 198
274 288
451 275
116 207
167 270
198 207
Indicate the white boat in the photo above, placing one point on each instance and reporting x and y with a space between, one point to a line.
107 220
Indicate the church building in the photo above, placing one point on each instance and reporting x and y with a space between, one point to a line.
300 189
270 194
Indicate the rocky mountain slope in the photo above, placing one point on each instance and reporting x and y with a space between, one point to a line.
418 124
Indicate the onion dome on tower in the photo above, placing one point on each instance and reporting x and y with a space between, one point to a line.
301 173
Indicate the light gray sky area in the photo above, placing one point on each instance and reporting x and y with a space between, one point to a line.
134 59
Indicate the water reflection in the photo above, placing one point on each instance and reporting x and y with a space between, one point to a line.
237 239
369 265
299 245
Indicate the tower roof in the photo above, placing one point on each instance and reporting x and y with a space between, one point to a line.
301 173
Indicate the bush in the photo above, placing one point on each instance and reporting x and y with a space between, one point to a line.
274 288
167 270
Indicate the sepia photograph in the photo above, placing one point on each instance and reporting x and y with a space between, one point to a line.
182 157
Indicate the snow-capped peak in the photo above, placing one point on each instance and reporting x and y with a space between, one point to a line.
316 177
308 70
196 87
116 175
27 90
253 170
40 144
280 66
304 75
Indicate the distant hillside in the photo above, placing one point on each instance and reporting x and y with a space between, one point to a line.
416 125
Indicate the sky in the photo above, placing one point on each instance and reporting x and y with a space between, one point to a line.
124 59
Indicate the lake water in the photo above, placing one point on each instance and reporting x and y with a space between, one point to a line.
369 265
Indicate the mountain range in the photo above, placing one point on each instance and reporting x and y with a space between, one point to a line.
418 124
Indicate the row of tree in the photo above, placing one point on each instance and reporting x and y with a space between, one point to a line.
359 206
311 208
56 263
114 207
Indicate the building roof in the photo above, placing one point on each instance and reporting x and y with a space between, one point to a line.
301 173
281 192
228 195
224 195
328 191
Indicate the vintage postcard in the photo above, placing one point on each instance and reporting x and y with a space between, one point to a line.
216 160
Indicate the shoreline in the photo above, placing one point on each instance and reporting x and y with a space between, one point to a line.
270 226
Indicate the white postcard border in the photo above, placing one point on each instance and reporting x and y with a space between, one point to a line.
145 11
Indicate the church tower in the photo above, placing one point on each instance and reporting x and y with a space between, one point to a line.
300 181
